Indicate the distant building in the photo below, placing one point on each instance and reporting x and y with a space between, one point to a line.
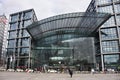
19 41
109 33
3 22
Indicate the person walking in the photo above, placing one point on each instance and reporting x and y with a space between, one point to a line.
70 72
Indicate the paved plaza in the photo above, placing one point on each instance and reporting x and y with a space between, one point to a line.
55 76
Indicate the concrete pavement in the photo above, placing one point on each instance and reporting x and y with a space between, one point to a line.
56 76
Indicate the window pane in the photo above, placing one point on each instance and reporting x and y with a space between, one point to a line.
25 33
24 51
111 61
116 0
25 42
110 33
13 26
28 15
10 51
105 9
11 44
117 8
26 23
99 2
110 46
12 34
110 22
118 19
14 18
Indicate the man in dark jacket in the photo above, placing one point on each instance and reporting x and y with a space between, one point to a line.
70 72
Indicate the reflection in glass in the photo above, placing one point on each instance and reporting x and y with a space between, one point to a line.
25 33
25 42
14 18
116 0
110 33
26 23
117 8
110 46
110 22
105 9
24 51
67 51
12 34
11 44
118 19
13 26
99 2
10 51
28 15
111 61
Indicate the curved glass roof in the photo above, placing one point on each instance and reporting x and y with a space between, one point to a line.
83 23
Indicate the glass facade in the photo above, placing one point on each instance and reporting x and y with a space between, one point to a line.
111 61
19 45
69 51
109 33
62 40
110 46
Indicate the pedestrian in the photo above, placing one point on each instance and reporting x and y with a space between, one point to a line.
92 71
70 72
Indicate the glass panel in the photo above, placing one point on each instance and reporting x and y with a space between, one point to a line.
23 63
110 46
25 42
13 26
105 9
11 43
117 8
14 18
12 34
109 33
24 51
26 23
10 51
116 0
25 33
110 22
28 15
99 2
111 61
118 19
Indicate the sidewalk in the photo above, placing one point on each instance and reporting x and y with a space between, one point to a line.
56 76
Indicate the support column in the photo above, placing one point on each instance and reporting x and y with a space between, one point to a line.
102 61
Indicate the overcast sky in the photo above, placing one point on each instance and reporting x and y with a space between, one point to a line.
43 8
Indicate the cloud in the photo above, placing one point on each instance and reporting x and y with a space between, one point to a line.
44 8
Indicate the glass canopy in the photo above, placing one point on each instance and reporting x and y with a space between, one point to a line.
82 23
